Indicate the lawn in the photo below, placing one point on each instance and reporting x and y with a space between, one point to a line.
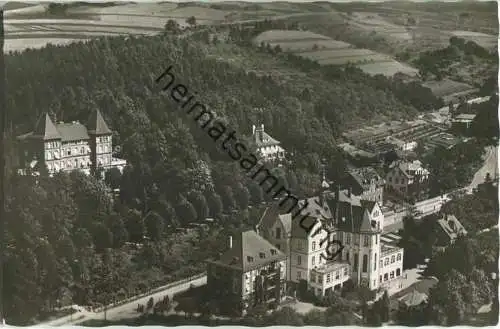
447 87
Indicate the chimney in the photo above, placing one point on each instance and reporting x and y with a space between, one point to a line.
262 127
349 191
230 242
253 130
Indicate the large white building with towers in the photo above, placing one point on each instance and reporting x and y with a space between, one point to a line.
67 146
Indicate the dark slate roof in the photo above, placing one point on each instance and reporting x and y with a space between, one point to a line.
348 212
97 125
247 251
262 139
302 227
351 213
413 298
72 131
369 205
363 176
45 129
268 218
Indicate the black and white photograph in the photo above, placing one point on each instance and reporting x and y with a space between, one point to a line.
249 163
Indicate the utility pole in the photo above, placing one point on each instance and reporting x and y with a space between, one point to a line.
3 131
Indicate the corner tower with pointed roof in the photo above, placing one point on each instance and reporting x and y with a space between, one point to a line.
68 146
100 141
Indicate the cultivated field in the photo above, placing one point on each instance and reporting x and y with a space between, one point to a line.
487 41
33 26
374 23
448 87
327 51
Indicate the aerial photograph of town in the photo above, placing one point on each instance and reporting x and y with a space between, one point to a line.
249 163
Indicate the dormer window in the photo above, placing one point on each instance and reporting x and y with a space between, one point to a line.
262 255
273 251
250 258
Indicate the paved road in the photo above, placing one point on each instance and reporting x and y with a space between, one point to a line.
125 311
490 166
430 206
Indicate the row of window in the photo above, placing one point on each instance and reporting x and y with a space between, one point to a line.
396 180
392 259
355 237
336 275
51 155
104 139
386 275
75 163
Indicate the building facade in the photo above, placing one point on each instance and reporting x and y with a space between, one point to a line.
268 148
276 228
251 272
366 183
366 257
68 146
408 178
448 229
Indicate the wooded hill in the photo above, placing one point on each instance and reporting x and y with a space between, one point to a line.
66 240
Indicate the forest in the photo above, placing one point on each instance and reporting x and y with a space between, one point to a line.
463 269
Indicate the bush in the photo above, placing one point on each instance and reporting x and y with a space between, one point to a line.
150 303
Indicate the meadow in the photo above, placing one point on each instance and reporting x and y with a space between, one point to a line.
327 51
33 26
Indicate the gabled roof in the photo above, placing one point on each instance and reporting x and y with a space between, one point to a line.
97 125
262 139
364 176
368 205
45 129
302 227
249 251
268 218
413 298
286 221
351 213
451 226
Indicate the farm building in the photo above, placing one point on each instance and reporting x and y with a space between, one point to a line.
462 123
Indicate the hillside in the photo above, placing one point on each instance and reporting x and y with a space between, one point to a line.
117 76
327 51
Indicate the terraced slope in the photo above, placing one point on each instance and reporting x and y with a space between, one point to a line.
326 51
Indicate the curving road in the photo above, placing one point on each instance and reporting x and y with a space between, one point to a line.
430 206
125 311
490 166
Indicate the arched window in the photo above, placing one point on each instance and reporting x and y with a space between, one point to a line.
393 259
365 263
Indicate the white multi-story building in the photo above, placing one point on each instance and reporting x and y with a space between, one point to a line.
366 257
69 146
267 147
407 177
